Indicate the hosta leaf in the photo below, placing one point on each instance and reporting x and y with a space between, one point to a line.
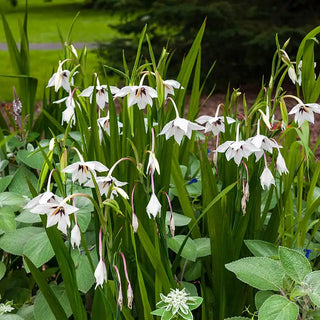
179 219
189 251
32 160
28 217
14 241
278 308
203 247
38 249
259 272
13 200
295 264
84 273
7 221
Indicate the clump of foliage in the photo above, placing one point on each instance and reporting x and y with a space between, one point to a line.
239 34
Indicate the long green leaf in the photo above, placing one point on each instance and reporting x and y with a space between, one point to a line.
52 300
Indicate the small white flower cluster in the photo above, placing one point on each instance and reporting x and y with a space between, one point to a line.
178 303
6 307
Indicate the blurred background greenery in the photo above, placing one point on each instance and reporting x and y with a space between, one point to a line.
240 34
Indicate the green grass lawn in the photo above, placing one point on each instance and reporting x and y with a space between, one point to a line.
44 20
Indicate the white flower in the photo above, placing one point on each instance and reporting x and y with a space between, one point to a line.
60 79
42 198
104 124
214 124
102 95
57 212
169 86
281 165
5 308
178 128
81 170
177 302
100 273
153 163
266 178
263 143
237 150
75 236
68 113
140 95
154 206
304 112
104 184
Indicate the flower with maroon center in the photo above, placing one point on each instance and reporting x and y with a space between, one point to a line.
303 111
102 94
179 127
214 124
141 95
237 149
81 170
169 86
57 212
61 78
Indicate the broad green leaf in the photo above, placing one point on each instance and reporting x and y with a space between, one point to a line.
261 248
3 164
26 312
11 317
7 221
11 199
203 247
295 264
312 283
259 272
28 217
278 308
189 251
14 241
261 297
2 269
190 288
4 182
84 273
179 219
32 160
19 183
42 308
38 249
158 312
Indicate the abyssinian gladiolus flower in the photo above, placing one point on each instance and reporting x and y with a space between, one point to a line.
57 212
169 86
61 78
267 178
68 113
179 127
100 272
281 164
102 95
141 95
303 111
237 149
75 236
214 124
154 206
81 170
